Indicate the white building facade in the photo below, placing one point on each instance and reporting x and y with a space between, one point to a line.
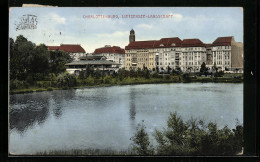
114 54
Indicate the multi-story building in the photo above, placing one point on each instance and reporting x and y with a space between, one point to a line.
75 50
167 54
227 54
186 55
193 54
114 54
139 54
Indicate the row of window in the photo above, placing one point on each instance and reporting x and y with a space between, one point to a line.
220 57
220 62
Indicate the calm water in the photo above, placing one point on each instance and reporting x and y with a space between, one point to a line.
106 118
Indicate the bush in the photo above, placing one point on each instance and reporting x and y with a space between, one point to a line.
29 79
50 77
89 81
167 77
65 80
107 79
141 142
191 138
186 78
44 84
49 89
17 84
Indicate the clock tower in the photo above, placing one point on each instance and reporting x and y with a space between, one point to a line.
132 36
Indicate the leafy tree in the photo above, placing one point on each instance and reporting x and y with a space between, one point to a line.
141 141
58 59
146 74
203 69
65 80
168 69
40 60
97 73
21 54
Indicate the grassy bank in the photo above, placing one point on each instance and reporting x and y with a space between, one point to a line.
87 152
40 86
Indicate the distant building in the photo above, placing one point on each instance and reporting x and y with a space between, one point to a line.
187 55
114 54
96 62
75 50
140 54
193 55
132 36
227 54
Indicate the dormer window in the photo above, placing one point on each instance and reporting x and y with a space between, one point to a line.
173 44
161 45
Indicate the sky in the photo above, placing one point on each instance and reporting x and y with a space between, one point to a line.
68 25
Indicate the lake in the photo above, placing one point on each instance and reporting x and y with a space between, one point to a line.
107 117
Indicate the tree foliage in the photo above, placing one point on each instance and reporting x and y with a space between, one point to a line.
203 69
141 141
192 137
32 63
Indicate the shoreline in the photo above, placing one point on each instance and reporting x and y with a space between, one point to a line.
204 80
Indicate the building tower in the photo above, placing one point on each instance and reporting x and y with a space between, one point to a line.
132 36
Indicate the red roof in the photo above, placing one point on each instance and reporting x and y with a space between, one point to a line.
141 44
52 48
165 42
208 45
114 49
71 48
168 42
223 41
192 43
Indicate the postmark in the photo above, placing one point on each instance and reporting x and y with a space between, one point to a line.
27 22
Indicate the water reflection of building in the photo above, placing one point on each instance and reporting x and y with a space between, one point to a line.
132 111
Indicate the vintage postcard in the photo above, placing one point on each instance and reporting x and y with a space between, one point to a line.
126 81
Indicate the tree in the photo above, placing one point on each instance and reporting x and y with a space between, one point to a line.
168 69
58 59
141 141
215 68
21 53
189 68
203 69
65 80
40 60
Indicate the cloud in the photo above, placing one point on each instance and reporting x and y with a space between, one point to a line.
144 26
177 17
58 19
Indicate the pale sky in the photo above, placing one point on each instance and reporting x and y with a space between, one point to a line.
67 25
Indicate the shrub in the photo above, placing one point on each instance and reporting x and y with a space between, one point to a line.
16 84
186 77
49 89
66 80
107 79
141 142
29 79
191 138
89 81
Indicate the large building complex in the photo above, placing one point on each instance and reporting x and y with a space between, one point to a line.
186 55
114 54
